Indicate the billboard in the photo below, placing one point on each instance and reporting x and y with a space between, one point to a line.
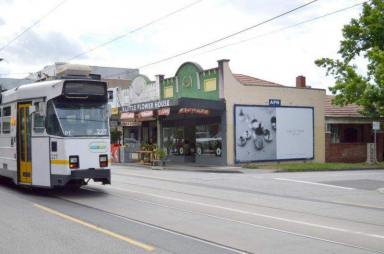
265 133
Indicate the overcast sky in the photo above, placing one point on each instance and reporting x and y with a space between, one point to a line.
78 25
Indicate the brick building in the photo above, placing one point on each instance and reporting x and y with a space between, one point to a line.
348 133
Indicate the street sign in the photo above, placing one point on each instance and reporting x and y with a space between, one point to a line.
376 126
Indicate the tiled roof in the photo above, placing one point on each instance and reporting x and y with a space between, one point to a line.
248 80
351 110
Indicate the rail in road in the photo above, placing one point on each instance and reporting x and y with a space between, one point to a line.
162 212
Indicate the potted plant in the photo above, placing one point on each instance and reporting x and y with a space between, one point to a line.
160 156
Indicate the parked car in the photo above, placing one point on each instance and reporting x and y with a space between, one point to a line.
208 145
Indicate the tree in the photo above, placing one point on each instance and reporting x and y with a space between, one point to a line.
362 37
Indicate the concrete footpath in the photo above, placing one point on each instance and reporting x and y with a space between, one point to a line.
196 168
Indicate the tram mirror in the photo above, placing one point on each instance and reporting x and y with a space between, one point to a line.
41 108
32 109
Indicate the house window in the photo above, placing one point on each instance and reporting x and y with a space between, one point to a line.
350 135
335 134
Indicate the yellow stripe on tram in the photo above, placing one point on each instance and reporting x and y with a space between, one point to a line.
60 162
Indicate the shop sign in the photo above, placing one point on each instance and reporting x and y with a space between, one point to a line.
115 111
149 105
143 114
194 111
164 111
130 124
127 115
113 123
275 102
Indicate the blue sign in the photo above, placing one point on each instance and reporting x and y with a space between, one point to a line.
274 102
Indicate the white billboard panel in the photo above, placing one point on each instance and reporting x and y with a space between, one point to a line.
264 133
294 133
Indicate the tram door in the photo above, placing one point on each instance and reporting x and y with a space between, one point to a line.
24 143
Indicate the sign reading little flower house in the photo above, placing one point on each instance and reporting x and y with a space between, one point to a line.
151 105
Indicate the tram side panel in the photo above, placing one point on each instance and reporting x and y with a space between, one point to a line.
8 146
41 168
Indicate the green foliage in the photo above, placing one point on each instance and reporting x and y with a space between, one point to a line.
147 147
314 166
160 154
115 136
363 37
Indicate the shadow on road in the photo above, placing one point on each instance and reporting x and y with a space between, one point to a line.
6 183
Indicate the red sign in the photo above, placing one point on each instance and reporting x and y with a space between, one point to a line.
194 111
164 111
144 114
127 115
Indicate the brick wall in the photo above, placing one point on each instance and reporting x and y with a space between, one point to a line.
350 152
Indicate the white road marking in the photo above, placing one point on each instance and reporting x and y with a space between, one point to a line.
314 183
234 221
252 213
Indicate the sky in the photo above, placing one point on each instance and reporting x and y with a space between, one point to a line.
78 25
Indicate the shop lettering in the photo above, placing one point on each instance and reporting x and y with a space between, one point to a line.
147 106
194 111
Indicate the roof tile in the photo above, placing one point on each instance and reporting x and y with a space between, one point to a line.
351 110
248 80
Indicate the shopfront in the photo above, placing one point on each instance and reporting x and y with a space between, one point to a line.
215 117
188 129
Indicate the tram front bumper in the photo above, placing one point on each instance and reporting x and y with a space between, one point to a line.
97 175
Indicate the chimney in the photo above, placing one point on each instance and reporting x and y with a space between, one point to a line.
300 82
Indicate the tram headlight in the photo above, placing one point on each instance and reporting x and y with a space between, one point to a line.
73 162
103 159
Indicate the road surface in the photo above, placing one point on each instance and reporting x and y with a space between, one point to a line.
155 211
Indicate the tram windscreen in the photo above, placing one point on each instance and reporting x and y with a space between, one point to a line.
82 119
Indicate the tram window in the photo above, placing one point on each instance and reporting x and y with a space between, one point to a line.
52 124
38 123
7 119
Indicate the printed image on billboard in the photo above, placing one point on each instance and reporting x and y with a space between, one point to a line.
273 133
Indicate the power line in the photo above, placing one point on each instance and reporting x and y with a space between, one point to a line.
119 37
284 28
230 35
33 24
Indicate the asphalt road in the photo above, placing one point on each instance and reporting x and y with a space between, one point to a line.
150 211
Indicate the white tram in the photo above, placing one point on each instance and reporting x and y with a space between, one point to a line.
55 133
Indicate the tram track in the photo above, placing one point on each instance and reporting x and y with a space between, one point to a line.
163 229
241 190
222 218
251 204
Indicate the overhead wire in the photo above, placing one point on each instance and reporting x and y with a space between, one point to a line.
221 38
33 24
229 35
284 28
272 32
119 37
111 40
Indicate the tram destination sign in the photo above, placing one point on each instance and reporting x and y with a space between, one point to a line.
151 105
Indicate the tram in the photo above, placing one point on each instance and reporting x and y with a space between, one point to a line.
55 133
